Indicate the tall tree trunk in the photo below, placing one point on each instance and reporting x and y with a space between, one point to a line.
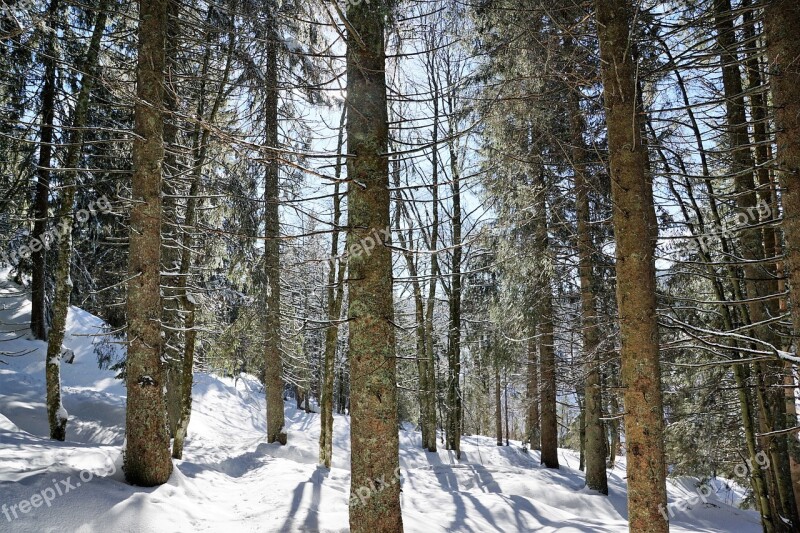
635 229
147 458
547 361
595 448
773 247
56 414
455 408
781 20
273 363
42 200
374 485
335 296
455 400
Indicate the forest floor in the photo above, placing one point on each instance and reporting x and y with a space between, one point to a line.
231 480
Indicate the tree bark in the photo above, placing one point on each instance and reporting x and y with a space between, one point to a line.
635 229
595 447
42 199
147 457
547 361
272 268
781 20
455 408
374 485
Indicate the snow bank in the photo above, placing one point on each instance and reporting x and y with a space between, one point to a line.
232 480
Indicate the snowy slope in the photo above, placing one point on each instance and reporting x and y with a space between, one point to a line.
232 481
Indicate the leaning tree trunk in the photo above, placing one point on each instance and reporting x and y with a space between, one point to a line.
273 364
635 229
374 485
56 414
41 200
147 458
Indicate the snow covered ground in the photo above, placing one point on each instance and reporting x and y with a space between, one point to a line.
231 480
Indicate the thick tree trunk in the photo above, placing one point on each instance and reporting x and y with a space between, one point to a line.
781 20
635 229
55 412
42 199
272 266
147 458
374 485
454 362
